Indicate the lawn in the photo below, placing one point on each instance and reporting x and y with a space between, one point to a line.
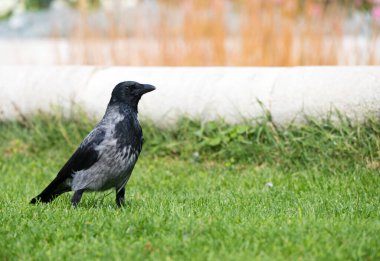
200 192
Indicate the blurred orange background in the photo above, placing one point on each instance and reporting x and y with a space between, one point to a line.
219 33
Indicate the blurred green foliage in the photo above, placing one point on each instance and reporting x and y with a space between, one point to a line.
36 4
334 142
43 4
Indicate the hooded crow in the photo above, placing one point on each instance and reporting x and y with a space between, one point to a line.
106 157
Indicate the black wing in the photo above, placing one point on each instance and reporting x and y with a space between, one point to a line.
83 158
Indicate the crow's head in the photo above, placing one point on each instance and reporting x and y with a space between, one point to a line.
129 93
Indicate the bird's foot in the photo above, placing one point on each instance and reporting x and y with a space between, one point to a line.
120 202
120 195
76 197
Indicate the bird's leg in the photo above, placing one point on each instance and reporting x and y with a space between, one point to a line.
120 197
76 197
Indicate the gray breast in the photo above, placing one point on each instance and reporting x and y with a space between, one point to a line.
115 163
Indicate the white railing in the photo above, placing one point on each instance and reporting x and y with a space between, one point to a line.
205 93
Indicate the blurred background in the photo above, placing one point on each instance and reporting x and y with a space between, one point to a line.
190 32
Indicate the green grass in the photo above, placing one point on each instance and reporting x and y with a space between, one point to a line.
200 192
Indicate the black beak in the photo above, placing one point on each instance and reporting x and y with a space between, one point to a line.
146 88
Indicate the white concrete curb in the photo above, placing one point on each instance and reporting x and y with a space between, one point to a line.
199 92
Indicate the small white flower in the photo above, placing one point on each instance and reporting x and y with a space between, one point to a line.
196 156
269 185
